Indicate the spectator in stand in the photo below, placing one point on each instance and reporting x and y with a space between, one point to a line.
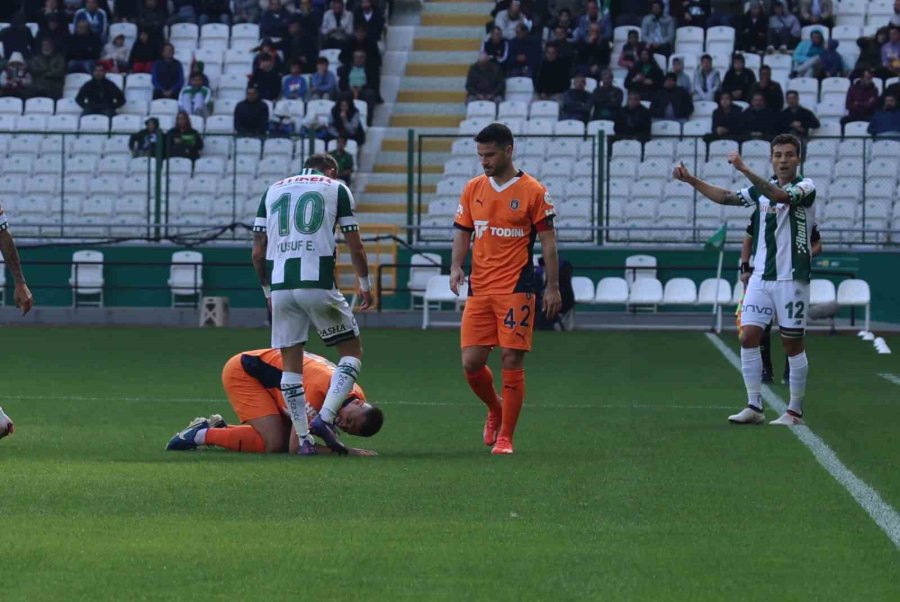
485 80
831 62
184 11
707 81
760 122
593 16
152 17
784 29
738 80
645 77
795 119
862 98
99 96
724 12
144 53
183 140
346 121
55 29
692 12
15 78
245 11
82 49
196 98
214 11
606 99
562 28
633 121
658 30
754 32
496 47
251 115
816 12
274 21
672 102
48 71
300 48
49 9
115 55
17 38
323 83
524 54
309 21
552 76
727 120
895 18
682 80
95 16
870 55
143 142
362 41
886 121
768 88
507 20
281 123
293 85
337 25
890 52
360 79
370 16
631 50
267 48
564 46
807 55
592 52
576 101
344 160
168 76
266 79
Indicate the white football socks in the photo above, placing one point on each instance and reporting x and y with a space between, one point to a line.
799 370
342 381
200 437
295 399
751 367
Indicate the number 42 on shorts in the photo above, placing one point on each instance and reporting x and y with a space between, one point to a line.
510 320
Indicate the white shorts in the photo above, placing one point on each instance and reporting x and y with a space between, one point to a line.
294 310
785 300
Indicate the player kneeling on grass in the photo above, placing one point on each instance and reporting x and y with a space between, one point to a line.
252 382
779 285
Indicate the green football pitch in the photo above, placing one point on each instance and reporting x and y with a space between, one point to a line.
628 482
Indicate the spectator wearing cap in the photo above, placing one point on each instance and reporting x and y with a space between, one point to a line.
754 29
183 140
645 77
769 88
293 85
167 74
760 122
524 54
552 77
265 79
184 11
115 55
886 120
593 16
144 53
299 47
707 80
82 49
214 11
251 115
682 80
507 20
274 20
323 83
576 101
17 37
592 52
48 71
738 79
796 119
143 142
606 99
196 98
816 12
633 121
370 16
96 18
672 102
245 11
99 96
727 120
496 47
631 50
337 25
485 80
343 159
658 30
807 55
862 98
15 78
784 29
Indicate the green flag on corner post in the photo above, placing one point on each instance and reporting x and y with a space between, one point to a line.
717 240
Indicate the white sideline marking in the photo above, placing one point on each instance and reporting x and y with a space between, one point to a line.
891 377
880 511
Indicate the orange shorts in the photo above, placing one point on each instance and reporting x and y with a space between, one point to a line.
247 396
499 320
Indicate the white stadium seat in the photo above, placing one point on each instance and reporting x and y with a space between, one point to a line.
680 291
611 291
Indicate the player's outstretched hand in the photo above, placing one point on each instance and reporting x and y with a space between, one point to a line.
365 300
457 279
23 298
552 302
681 172
734 158
362 452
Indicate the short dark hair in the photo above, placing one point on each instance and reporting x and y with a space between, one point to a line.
372 423
320 162
789 92
705 56
496 133
321 61
785 139
765 68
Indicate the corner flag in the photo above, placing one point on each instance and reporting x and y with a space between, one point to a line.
717 240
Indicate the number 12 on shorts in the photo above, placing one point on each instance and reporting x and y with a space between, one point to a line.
795 309
510 320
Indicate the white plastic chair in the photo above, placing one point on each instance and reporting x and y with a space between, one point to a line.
611 291
639 266
438 291
854 293
424 266
646 291
87 278
186 277
680 291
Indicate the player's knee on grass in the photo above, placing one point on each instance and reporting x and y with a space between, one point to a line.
751 336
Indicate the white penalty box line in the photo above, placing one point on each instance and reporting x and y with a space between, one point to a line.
884 515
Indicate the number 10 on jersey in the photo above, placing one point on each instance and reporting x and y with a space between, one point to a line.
308 213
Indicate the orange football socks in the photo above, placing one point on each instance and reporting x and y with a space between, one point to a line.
482 382
513 397
240 438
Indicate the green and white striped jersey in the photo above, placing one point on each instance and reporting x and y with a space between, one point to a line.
782 231
299 215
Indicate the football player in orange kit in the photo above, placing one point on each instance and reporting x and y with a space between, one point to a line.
252 382
504 211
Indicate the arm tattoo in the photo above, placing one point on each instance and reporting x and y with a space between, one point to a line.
764 186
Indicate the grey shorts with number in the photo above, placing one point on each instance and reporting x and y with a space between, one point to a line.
785 300
295 310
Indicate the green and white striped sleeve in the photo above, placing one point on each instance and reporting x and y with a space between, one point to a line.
748 196
802 193
259 224
345 210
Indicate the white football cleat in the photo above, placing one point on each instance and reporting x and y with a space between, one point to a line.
747 416
788 419
6 424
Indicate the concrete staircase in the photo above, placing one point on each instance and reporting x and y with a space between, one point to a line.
428 96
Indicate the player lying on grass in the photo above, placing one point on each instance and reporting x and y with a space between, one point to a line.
252 382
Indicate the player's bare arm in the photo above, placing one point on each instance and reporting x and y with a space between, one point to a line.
762 184
746 247
360 262
461 239
22 294
716 194
552 298
258 256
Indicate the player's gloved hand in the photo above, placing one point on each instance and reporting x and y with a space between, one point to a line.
457 279
23 298
552 302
